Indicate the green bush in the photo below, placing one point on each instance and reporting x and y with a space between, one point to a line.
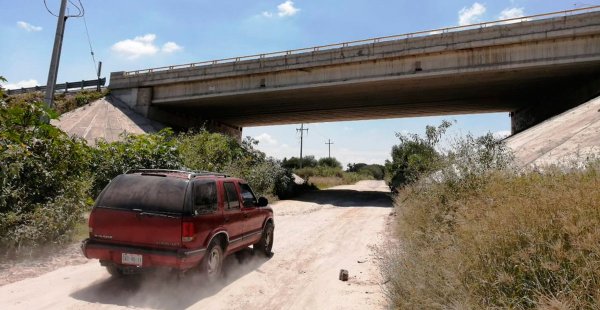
217 152
148 151
43 173
329 162
415 156
294 162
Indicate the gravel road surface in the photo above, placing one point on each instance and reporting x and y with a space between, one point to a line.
316 235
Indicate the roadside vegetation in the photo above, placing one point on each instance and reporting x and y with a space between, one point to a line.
327 172
49 180
474 232
63 102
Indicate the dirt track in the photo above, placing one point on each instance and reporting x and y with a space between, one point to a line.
315 237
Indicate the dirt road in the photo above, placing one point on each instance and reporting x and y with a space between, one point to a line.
315 236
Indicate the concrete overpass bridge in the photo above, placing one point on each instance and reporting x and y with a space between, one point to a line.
533 67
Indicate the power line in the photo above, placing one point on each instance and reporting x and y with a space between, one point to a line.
80 9
87 33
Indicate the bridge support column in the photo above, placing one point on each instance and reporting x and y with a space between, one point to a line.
139 98
552 101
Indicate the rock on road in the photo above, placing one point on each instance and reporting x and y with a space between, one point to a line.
315 236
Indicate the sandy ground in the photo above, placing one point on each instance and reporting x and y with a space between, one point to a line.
315 236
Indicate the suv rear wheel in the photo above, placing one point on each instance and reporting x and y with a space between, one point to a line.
265 245
212 264
114 271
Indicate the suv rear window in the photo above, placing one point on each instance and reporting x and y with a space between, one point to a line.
144 192
205 197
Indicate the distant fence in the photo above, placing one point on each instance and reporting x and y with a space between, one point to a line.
81 85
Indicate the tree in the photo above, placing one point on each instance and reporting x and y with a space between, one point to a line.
355 167
294 162
329 162
415 155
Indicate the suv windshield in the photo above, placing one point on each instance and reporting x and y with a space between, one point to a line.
144 192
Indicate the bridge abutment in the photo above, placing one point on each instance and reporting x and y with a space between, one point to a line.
556 99
140 100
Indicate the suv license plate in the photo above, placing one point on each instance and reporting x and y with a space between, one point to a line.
131 259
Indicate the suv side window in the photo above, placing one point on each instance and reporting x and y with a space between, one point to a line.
233 201
205 197
247 195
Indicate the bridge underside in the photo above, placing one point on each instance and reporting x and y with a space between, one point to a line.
502 91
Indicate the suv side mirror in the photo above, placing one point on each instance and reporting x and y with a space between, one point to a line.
262 202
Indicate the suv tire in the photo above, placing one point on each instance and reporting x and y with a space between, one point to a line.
114 271
265 245
212 264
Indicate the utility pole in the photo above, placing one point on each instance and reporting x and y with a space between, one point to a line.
58 39
99 71
329 143
301 129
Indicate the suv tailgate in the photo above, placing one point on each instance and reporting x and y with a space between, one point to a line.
144 210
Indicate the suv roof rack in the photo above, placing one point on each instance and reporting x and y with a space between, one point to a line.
190 174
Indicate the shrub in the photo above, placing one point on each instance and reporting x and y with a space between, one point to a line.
415 156
329 162
208 151
148 151
43 173
294 162
217 152
62 102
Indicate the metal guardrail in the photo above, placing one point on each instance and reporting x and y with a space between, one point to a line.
367 41
64 87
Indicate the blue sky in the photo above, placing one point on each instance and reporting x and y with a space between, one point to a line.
128 35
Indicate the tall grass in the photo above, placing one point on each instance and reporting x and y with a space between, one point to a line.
324 177
498 239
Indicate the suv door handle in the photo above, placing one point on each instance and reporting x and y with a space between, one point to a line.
226 219
245 215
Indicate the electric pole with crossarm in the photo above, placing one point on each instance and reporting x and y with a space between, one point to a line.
301 130
329 143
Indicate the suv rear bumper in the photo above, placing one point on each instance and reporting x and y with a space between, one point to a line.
151 258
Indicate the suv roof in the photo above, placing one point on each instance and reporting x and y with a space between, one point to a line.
187 174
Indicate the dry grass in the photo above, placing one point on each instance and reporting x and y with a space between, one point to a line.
499 241
347 178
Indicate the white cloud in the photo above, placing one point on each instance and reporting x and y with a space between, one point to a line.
287 9
143 46
284 9
21 84
171 47
266 138
512 13
136 47
28 27
471 15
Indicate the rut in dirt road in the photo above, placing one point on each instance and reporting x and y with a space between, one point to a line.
316 235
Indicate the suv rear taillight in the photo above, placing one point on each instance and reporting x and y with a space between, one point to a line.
91 225
188 232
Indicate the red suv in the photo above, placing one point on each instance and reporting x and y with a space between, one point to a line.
177 219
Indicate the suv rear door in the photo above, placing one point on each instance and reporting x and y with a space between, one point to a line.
233 216
143 210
